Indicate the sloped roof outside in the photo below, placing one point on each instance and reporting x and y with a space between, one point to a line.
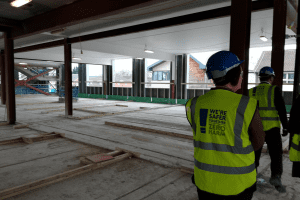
265 60
149 68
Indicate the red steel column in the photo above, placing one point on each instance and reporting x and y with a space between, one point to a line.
240 27
278 40
10 81
68 78
3 82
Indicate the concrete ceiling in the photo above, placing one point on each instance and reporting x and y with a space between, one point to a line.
211 35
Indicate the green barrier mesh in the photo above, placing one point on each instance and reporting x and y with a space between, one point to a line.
182 101
146 99
288 108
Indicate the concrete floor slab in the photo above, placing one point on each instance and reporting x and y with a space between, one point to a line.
156 150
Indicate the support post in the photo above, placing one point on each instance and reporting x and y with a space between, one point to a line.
68 78
142 77
278 41
3 82
136 64
297 70
179 64
240 27
10 83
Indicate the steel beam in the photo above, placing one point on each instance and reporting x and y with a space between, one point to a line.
10 22
4 29
278 41
68 78
176 21
240 28
9 72
3 82
75 13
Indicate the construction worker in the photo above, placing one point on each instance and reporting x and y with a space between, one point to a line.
223 125
295 138
272 110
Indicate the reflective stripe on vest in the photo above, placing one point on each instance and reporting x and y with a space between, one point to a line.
236 149
296 147
193 106
269 103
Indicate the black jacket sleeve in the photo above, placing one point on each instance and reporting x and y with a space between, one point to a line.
280 107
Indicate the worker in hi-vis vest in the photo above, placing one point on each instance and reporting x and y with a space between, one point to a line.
223 125
294 131
271 110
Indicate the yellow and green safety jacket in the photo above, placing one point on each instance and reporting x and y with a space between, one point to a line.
264 93
224 161
295 148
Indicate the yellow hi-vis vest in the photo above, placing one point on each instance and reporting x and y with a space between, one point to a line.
264 93
295 148
224 161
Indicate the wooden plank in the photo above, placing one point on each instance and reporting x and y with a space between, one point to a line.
36 151
59 177
121 105
44 182
99 158
23 173
4 124
150 152
5 142
135 154
187 170
149 130
20 126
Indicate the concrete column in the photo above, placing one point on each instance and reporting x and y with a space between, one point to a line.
240 27
10 83
278 40
3 82
68 78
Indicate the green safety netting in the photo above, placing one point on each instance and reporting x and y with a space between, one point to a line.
145 99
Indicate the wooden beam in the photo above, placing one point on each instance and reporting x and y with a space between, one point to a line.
191 18
278 40
240 28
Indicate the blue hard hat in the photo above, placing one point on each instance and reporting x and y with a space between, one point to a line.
220 63
266 71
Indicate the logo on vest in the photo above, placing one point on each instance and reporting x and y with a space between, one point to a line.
217 122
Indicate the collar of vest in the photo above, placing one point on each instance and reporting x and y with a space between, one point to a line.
223 88
265 82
